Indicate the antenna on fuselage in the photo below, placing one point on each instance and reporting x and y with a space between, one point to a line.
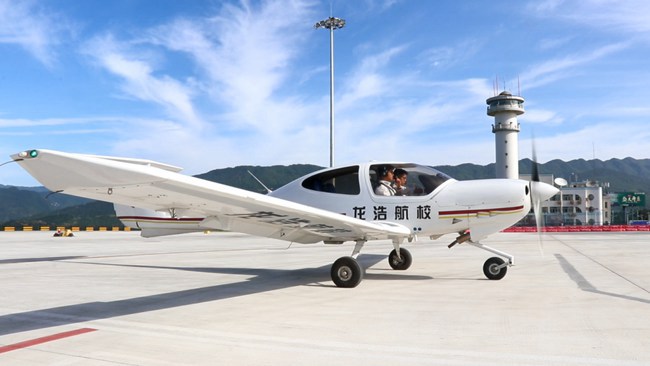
268 190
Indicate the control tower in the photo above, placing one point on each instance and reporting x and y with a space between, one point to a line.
505 108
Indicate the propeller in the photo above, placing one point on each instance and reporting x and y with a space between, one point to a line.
535 199
539 191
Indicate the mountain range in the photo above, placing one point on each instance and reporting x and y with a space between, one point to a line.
36 206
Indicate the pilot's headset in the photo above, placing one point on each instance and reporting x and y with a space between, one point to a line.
382 170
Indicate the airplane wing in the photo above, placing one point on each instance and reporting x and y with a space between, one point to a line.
156 186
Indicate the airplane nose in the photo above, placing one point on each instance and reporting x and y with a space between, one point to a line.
542 191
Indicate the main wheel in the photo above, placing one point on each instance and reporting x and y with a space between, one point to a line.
400 264
346 272
493 270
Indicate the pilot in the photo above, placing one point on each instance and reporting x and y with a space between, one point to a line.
399 184
385 187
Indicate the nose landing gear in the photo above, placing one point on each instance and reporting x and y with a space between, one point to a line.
494 268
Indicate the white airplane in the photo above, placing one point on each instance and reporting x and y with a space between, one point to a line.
332 206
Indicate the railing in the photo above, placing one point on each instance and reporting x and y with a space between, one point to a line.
573 229
62 228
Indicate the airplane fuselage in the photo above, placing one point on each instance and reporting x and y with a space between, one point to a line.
434 204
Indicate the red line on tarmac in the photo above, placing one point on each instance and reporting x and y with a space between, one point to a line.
53 337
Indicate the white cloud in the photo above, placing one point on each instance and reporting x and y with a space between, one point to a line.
51 122
245 58
537 116
139 81
445 57
245 53
547 44
240 63
368 80
631 16
560 68
37 30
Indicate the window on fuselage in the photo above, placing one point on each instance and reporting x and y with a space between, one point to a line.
340 181
421 180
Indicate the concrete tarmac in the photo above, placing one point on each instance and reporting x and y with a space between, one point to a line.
113 298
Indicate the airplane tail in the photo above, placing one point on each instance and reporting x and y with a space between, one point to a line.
155 223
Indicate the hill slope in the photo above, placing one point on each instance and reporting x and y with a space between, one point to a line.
19 202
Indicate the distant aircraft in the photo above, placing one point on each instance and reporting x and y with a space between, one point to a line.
332 206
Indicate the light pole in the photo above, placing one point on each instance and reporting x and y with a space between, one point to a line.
331 23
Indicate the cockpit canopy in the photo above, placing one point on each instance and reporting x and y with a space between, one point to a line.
422 180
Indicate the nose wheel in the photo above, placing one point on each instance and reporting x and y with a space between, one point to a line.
495 268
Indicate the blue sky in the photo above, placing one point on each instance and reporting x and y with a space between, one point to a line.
213 84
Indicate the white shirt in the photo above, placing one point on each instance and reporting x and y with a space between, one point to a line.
384 189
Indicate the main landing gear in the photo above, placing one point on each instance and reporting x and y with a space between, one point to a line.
347 272
494 268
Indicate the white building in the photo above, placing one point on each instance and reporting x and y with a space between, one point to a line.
581 203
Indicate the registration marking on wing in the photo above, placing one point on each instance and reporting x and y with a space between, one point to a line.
270 217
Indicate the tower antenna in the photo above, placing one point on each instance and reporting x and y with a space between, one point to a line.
593 149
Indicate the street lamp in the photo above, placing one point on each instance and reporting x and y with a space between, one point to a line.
331 23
